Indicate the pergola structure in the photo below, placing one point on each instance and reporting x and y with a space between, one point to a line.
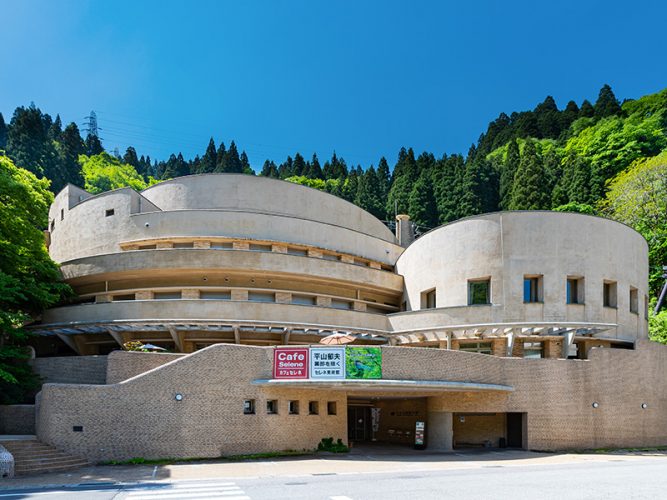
185 334
566 331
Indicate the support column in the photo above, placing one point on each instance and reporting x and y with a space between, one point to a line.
439 430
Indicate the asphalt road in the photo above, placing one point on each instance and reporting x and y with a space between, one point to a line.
613 479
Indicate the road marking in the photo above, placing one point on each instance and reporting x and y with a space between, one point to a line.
339 497
154 472
190 490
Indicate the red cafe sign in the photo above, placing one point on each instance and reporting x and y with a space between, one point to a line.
290 363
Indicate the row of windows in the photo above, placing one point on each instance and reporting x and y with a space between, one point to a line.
479 293
530 349
262 247
259 296
249 407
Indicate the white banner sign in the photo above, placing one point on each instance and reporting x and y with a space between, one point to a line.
327 363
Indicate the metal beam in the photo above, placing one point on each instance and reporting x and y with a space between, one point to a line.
70 342
568 338
177 338
117 336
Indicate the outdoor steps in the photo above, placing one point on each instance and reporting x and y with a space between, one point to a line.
33 457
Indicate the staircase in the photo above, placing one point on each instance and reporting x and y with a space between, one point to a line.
34 457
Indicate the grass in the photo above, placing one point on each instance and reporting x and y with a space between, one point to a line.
230 458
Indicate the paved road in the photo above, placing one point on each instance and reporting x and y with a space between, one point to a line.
613 479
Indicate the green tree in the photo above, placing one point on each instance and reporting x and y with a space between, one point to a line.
421 202
607 104
69 149
638 197
529 190
104 172
130 157
93 145
507 173
209 160
29 279
3 133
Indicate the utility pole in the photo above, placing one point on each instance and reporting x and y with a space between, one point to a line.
91 125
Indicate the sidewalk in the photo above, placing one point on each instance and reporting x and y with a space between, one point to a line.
357 462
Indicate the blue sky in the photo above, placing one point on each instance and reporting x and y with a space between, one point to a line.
360 77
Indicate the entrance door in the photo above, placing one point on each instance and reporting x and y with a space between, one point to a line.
358 423
515 430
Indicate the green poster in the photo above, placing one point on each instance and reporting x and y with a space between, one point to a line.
363 362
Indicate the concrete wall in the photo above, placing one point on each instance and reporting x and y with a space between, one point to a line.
220 310
71 369
504 247
140 416
17 419
234 206
123 365
261 194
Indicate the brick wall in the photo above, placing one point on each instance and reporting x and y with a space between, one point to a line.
141 416
71 369
17 419
122 365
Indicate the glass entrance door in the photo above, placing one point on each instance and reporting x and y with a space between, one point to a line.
359 423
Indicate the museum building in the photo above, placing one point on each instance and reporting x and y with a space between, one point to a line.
510 329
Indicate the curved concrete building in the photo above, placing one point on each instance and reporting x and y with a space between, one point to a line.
518 329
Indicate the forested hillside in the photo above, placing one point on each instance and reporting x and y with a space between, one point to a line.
603 157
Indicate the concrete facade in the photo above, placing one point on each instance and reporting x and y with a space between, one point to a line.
524 329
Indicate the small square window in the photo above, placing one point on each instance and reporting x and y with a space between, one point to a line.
479 292
574 291
272 406
532 289
331 408
634 300
428 299
249 407
109 212
293 407
532 350
313 407
609 289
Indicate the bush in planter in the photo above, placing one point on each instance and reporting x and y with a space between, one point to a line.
327 444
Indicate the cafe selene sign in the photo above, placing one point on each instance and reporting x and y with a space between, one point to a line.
290 363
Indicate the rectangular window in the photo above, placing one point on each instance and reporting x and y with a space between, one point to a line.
304 300
297 251
331 408
293 407
109 212
166 295
128 296
428 299
249 407
215 295
261 297
634 300
646 307
53 224
479 292
532 350
575 291
225 245
62 214
147 247
329 256
341 304
313 407
184 245
272 406
532 289
609 294
478 347
259 248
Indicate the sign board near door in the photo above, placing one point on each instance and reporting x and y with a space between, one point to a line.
327 363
